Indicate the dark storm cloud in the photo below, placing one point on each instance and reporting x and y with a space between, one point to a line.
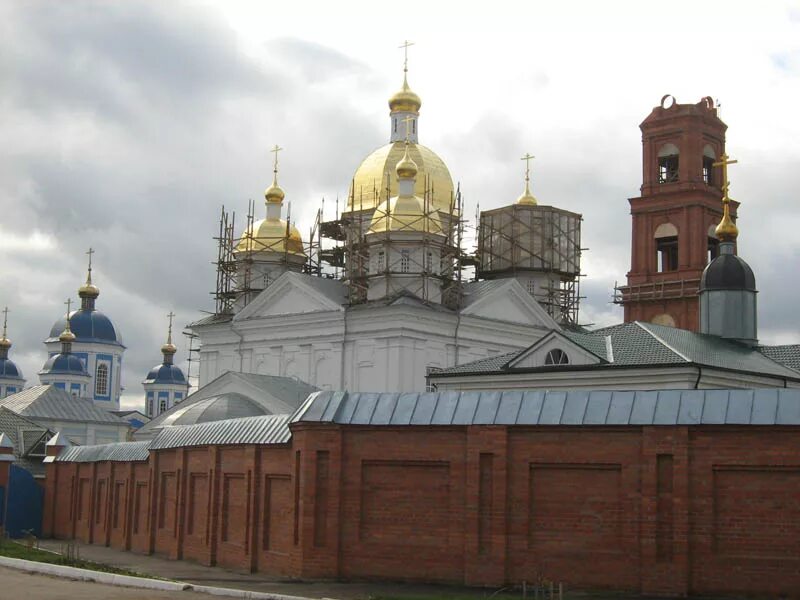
125 126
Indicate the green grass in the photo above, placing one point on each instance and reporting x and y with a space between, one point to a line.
14 549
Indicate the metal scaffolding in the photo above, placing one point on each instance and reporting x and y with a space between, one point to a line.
539 243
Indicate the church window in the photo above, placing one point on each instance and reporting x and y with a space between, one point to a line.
149 407
429 262
381 261
668 164
414 126
713 248
162 406
405 261
531 287
708 165
666 236
395 125
556 356
429 385
101 380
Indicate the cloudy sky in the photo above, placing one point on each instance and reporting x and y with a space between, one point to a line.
126 125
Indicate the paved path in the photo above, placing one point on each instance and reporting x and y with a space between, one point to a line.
32 586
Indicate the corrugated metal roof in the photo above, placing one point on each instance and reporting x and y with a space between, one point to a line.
118 452
49 402
267 429
539 407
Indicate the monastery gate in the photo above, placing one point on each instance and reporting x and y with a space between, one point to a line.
692 492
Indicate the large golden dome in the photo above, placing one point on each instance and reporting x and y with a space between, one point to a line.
371 176
269 235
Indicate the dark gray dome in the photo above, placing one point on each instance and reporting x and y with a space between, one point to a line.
231 405
728 272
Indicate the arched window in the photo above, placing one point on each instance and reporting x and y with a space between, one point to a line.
709 158
405 261
101 380
381 261
666 236
556 356
668 163
713 242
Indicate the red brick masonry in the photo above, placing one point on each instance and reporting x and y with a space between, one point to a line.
659 510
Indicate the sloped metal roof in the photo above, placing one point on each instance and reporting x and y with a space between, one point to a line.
579 408
788 355
49 402
267 429
117 452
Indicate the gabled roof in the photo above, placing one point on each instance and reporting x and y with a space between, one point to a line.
788 355
640 344
23 433
50 402
272 393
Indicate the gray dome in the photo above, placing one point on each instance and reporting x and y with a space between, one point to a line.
728 272
231 405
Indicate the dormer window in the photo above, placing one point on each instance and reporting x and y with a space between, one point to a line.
556 356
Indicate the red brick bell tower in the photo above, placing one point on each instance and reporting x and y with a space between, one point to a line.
674 218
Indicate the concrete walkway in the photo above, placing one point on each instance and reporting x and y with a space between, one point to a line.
194 573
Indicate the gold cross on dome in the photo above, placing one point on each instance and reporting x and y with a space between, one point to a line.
169 333
90 252
405 45
275 151
724 161
5 321
407 120
527 158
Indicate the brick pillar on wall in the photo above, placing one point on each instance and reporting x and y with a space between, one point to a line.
316 551
665 511
485 505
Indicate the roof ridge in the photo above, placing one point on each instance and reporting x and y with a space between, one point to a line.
662 341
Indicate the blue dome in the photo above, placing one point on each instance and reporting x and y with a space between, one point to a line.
8 370
169 374
64 364
88 326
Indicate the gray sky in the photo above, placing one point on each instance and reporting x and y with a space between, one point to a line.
125 126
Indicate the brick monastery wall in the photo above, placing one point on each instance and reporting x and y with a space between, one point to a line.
661 510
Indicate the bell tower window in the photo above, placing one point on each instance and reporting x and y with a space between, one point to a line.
668 160
709 158
666 237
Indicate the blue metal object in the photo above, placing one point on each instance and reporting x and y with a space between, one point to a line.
25 501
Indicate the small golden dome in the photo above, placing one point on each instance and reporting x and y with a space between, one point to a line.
527 198
274 194
66 337
88 290
726 231
406 168
269 235
5 342
404 213
169 348
405 100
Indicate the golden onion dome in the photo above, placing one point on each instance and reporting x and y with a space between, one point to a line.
88 290
406 168
66 337
405 100
527 197
274 194
269 235
368 188
169 348
404 213
5 342
726 231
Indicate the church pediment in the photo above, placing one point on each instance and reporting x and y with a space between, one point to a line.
554 349
510 302
293 294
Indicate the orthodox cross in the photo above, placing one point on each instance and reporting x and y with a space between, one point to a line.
407 120
275 151
527 158
405 46
69 310
169 334
89 276
724 161
5 321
